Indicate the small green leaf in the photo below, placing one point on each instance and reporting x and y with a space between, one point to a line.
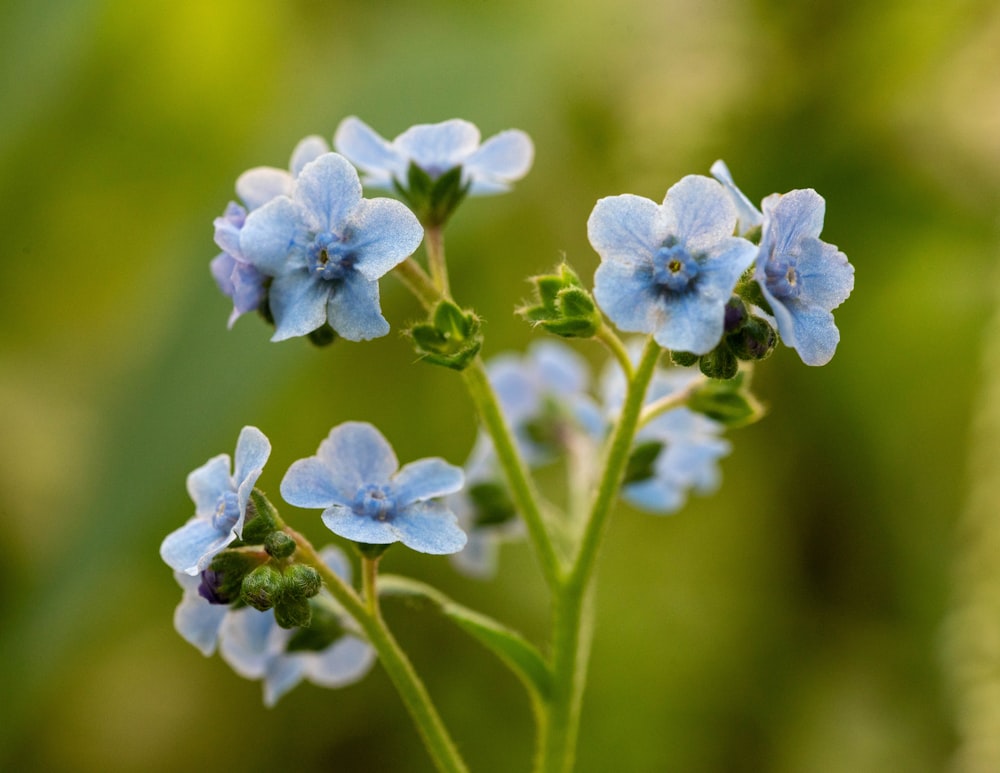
728 402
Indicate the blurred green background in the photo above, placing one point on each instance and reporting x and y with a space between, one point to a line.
796 621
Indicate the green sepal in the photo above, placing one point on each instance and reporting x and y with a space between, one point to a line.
323 630
279 545
301 581
728 402
513 649
755 340
451 337
292 612
683 359
262 519
749 290
432 200
231 566
564 306
641 460
720 363
368 550
262 587
491 503
323 336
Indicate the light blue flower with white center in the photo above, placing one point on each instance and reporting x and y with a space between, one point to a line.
748 217
326 248
802 277
220 501
490 167
355 477
669 270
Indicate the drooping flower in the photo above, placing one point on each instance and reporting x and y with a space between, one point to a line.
355 477
326 248
220 501
669 269
748 217
235 276
802 277
254 646
487 168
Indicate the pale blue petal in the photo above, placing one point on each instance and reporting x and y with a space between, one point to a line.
622 229
273 234
228 227
357 454
370 152
499 161
190 549
725 264
260 185
748 216
337 560
826 279
655 495
426 479
310 483
429 527
298 303
518 395
344 522
284 672
626 294
813 333
209 482
382 233
344 662
480 555
309 149
329 188
692 324
252 450
354 311
436 148
699 212
791 217
560 369
248 642
195 619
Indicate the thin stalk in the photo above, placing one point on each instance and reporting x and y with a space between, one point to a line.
669 402
417 282
436 263
614 344
522 488
409 686
369 577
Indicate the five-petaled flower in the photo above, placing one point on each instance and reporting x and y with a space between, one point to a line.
437 148
220 504
669 270
802 277
354 478
326 248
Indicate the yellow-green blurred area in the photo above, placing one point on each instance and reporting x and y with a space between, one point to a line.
795 621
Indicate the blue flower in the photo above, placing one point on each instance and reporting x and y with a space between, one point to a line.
220 505
354 477
235 276
669 270
326 248
748 217
803 278
253 644
436 149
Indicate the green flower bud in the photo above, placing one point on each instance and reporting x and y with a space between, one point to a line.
565 307
279 545
451 337
719 363
324 629
683 359
301 581
262 587
261 519
291 612
432 201
492 504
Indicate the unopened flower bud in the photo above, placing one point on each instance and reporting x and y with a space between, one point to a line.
262 587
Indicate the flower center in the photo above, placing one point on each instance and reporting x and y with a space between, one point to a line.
227 512
674 268
375 502
330 258
782 278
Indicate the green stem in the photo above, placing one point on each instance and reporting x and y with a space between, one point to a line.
411 689
521 487
669 402
573 598
614 344
369 576
436 263
417 282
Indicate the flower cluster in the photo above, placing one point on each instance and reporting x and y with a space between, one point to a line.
671 270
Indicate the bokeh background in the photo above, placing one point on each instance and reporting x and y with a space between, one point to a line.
832 608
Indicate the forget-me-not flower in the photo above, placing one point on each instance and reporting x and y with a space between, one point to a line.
669 269
326 248
235 276
220 501
355 477
802 277
487 168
